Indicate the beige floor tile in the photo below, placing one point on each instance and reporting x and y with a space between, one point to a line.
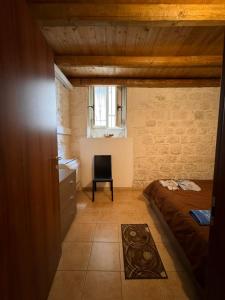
170 260
128 218
158 234
81 198
75 256
102 286
144 289
144 219
103 196
108 216
109 209
81 207
121 258
104 257
67 285
126 208
101 205
144 212
120 233
80 232
100 221
89 210
88 216
177 286
106 233
122 201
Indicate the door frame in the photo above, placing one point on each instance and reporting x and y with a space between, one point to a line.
216 258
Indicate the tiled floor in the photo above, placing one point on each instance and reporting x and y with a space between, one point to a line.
91 267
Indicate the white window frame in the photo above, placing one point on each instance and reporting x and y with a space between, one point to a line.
118 131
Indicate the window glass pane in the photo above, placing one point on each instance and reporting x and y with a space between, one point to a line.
100 97
111 106
105 118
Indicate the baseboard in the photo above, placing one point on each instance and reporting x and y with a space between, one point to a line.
88 188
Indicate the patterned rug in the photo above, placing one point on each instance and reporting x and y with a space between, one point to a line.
141 257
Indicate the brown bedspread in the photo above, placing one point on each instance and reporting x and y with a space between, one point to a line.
175 207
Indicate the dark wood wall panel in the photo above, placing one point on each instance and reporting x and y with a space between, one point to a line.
29 208
216 270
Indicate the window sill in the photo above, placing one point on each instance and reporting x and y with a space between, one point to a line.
63 130
107 138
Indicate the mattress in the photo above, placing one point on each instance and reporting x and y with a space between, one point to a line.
175 207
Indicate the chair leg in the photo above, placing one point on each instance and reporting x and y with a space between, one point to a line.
95 186
93 191
112 189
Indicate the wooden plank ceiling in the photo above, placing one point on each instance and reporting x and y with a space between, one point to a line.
136 43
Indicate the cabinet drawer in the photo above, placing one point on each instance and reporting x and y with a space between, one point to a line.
67 191
67 202
67 217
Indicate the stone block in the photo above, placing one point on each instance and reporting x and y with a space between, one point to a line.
175 149
150 123
173 139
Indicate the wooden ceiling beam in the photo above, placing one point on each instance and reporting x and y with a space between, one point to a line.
72 14
138 61
133 1
150 83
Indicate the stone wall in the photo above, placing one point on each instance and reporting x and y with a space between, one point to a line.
174 132
78 115
63 120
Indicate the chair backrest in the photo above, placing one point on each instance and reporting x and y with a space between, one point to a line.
102 166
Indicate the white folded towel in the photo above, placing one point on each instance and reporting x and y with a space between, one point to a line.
170 184
186 185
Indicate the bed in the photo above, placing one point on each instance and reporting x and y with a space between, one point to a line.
174 206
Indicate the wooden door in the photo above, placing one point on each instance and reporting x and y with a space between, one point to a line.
216 270
29 207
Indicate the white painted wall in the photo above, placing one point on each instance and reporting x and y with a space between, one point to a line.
121 150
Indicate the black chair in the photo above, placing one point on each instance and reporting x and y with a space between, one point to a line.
102 172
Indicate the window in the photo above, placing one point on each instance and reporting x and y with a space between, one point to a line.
107 111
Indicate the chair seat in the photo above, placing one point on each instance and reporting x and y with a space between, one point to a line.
102 179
